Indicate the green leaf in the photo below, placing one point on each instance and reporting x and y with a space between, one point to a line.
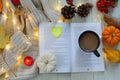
115 1
56 31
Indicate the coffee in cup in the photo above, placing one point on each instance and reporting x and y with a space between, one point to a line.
89 41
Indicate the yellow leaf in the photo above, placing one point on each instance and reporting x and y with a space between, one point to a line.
112 55
4 38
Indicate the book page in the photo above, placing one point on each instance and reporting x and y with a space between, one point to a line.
85 61
59 46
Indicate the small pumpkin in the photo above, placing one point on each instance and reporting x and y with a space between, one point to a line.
1 6
46 62
111 36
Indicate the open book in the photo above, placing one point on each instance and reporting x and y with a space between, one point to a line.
70 58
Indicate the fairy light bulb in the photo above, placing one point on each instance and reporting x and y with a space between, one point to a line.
8 47
79 4
29 16
5 16
61 19
14 21
18 28
35 32
7 4
34 35
19 61
7 75
19 57
58 7
2 70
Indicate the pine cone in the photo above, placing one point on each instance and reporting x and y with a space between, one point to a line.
84 9
68 12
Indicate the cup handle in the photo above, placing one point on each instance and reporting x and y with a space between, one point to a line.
96 53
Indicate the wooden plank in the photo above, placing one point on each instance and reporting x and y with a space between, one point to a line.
64 76
99 76
45 77
82 76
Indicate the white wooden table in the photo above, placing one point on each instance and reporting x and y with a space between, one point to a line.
112 70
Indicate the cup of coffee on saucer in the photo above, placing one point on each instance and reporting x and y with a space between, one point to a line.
89 41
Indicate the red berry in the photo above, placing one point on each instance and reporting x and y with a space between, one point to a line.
98 4
102 5
108 2
16 2
101 9
106 10
70 2
28 61
108 5
104 1
112 4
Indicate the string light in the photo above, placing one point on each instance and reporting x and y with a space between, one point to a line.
7 4
79 4
7 75
60 20
8 47
2 70
19 58
29 37
5 16
58 7
35 32
18 28
14 21
29 16
27 42
19 61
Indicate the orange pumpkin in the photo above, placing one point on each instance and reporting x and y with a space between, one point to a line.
111 36
1 6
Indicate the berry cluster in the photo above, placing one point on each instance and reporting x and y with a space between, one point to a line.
104 5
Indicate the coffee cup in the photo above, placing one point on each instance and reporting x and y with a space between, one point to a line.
89 41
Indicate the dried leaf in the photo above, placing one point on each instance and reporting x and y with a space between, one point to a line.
112 55
112 21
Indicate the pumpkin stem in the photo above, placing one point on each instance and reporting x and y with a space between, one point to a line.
113 35
46 62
